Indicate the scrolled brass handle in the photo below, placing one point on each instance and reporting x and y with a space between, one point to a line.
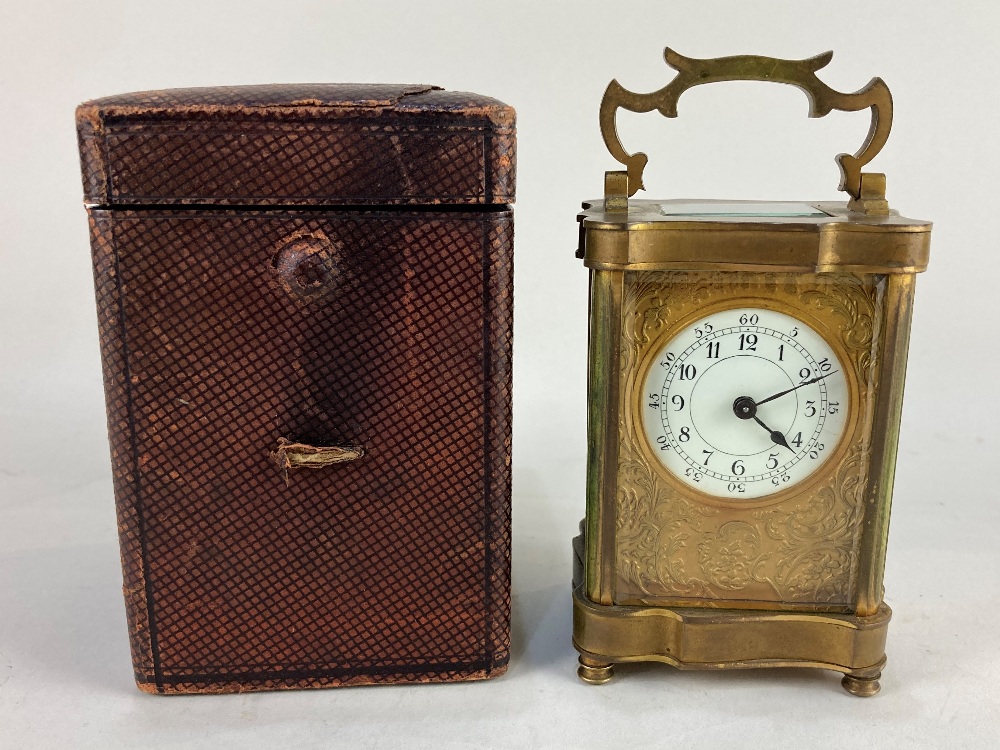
799 73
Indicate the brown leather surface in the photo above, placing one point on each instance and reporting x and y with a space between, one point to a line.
224 331
395 566
332 144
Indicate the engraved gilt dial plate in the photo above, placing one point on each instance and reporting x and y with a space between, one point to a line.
744 403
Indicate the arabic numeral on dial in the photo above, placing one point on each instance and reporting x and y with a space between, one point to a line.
748 320
687 372
705 462
797 440
684 435
738 469
736 487
703 331
772 460
678 401
776 481
825 365
805 373
668 360
713 349
816 450
696 476
748 342
794 332
810 409
833 407
654 400
781 353
662 442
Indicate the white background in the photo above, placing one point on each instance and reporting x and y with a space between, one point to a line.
65 674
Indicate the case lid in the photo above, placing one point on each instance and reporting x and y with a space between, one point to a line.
297 144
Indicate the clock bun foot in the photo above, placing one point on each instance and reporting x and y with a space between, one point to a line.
595 672
863 687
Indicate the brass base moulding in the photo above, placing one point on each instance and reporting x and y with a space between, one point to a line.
707 638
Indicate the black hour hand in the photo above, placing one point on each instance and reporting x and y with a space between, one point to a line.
746 408
776 437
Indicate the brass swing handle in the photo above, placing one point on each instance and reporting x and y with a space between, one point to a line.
799 73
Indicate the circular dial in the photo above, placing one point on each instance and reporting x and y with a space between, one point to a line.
744 403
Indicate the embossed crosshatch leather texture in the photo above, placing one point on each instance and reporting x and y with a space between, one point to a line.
321 269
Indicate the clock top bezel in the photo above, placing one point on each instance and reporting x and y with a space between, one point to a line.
836 239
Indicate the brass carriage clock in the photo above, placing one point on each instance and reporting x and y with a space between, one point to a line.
745 385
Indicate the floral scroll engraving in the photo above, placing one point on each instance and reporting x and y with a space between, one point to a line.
801 551
731 557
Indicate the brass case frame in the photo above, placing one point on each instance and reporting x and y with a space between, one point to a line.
718 637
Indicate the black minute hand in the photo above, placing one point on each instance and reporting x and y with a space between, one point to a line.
800 385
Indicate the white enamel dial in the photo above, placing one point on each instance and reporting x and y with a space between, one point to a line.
745 403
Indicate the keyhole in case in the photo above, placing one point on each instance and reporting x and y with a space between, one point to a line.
309 272
307 265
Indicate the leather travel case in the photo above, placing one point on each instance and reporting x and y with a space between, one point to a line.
305 307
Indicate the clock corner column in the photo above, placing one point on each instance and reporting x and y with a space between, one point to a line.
603 407
897 313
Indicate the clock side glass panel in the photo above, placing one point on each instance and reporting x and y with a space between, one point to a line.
744 403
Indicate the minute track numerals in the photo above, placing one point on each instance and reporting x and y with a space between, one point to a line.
744 403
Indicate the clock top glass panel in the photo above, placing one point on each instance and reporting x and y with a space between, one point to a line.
776 209
645 210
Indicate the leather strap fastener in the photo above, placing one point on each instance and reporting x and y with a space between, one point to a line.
291 455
